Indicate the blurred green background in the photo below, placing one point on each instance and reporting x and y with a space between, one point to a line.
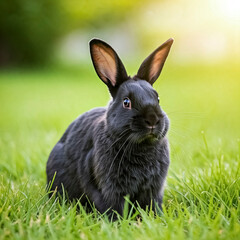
47 79
36 32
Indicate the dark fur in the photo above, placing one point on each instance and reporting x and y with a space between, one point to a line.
108 153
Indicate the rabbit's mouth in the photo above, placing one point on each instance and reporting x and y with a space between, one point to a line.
152 136
151 133
141 132
149 137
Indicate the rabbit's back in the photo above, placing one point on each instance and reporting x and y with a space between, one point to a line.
73 153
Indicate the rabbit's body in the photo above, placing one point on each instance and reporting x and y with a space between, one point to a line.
72 152
108 153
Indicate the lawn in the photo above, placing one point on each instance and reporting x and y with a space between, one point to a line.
202 195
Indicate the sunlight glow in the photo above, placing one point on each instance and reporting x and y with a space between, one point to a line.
207 29
228 8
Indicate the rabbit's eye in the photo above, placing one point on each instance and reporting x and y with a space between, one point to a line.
127 103
158 99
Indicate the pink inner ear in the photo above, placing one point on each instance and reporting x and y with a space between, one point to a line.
157 63
105 63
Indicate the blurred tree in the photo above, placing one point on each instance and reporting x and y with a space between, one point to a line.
29 29
101 14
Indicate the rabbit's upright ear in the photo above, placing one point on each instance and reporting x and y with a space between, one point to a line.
152 66
107 64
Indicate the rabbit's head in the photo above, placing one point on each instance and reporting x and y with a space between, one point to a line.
134 112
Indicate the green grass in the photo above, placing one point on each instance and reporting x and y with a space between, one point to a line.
202 196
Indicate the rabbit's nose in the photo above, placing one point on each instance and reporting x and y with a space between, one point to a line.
151 120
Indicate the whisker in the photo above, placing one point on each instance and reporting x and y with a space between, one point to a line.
123 134
187 129
177 133
118 153
119 165
187 115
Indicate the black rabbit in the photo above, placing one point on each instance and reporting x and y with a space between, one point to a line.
122 149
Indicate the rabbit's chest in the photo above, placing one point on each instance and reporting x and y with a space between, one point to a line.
130 173
134 178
